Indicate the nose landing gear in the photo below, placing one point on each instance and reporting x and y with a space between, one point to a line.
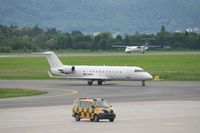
143 83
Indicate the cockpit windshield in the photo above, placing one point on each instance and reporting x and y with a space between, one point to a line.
139 70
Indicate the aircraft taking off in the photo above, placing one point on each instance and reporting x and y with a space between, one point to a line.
95 73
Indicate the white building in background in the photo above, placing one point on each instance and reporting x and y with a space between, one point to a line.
189 29
96 34
177 31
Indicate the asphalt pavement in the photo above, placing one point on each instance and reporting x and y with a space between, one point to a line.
160 106
63 92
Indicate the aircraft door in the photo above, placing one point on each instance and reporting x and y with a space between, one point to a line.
128 74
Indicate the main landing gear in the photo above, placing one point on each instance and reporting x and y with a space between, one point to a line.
99 82
90 82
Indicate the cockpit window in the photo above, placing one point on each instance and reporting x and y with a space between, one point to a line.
139 71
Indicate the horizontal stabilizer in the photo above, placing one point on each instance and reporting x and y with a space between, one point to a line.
50 74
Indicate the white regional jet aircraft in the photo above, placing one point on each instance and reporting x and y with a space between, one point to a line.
95 73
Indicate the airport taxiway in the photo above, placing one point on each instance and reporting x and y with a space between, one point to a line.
161 106
63 92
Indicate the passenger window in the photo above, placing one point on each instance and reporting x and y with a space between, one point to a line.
83 104
78 104
139 70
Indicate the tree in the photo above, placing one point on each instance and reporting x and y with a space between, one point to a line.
35 38
119 37
161 36
126 40
162 29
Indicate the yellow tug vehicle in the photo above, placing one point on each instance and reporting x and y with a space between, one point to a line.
93 109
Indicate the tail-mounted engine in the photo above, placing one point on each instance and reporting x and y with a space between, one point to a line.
67 69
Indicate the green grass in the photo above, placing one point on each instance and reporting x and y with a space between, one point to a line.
169 67
14 92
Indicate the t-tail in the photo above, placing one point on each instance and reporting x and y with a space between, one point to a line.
53 60
146 45
56 66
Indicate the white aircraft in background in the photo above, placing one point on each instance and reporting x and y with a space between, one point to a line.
130 49
95 73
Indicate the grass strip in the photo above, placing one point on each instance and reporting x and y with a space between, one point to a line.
15 92
169 67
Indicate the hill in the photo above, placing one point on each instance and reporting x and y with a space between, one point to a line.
125 16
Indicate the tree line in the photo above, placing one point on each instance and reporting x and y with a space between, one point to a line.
14 38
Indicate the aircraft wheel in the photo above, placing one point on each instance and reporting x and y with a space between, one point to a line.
90 82
99 82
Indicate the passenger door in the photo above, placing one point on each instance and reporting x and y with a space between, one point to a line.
128 74
91 109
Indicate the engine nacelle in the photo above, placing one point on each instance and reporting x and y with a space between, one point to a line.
67 69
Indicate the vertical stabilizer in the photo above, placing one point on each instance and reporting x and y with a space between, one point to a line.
53 60
146 46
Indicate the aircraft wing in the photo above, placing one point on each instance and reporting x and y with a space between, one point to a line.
118 46
85 77
94 78
153 46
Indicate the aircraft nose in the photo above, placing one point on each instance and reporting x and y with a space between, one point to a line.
149 76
